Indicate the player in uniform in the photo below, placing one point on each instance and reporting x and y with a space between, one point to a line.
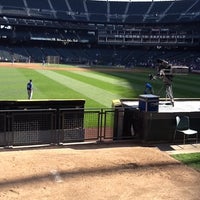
30 89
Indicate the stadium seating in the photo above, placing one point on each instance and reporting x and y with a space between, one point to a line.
5 55
105 11
78 10
44 4
61 6
127 33
97 10
136 12
11 3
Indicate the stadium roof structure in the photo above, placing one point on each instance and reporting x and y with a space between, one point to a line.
101 11
135 0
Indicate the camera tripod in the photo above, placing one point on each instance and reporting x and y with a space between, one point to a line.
168 92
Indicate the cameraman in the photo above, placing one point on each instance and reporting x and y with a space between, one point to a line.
166 75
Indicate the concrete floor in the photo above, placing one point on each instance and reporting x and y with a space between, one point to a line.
179 148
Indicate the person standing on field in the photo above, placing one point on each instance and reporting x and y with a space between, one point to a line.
148 89
30 89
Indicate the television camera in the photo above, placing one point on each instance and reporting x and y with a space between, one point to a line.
166 72
165 68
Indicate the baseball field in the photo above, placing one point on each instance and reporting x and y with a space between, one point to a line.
98 86
118 171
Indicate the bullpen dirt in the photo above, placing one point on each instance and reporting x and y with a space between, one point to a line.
95 172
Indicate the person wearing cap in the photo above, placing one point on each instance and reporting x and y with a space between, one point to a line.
166 75
148 89
30 89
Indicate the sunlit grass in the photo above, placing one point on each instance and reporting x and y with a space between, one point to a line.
192 159
98 88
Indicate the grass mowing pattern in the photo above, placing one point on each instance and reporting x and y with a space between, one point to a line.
100 95
98 88
109 84
102 77
187 86
12 84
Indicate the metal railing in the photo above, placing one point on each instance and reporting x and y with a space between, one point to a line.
57 126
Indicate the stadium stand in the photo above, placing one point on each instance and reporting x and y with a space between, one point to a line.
128 33
136 12
97 10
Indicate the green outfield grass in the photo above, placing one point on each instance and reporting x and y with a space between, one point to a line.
98 88
190 159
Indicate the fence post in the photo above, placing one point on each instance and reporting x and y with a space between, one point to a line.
101 125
